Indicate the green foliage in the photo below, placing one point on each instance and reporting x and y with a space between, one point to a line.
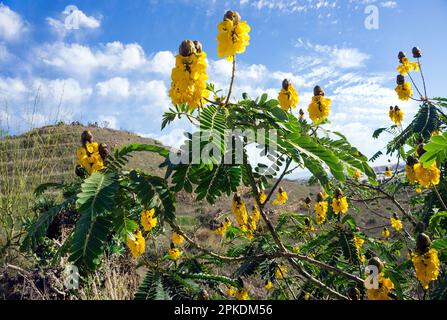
436 150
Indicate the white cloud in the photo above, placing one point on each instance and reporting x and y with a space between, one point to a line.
71 20
116 88
389 4
295 6
12 26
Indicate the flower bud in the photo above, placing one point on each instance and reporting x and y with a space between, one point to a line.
420 151
338 193
400 79
103 151
396 108
308 200
318 91
320 197
237 198
86 136
187 48
417 53
391 108
423 243
79 171
375 261
401 55
233 16
285 84
411 161
198 46
280 190
301 113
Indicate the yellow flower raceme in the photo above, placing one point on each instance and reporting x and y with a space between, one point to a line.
396 115
223 227
281 197
358 242
89 156
396 223
232 37
177 238
262 197
427 266
174 253
288 97
321 211
427 176
268 285
386 233
280 271
189 75
147 219
242 294
388 172
339 202
137 245
404 91
382 292
239 211
319 108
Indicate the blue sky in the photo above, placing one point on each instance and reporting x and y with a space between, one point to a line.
116 66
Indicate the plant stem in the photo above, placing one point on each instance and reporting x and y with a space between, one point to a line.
440 198
232 81
423 78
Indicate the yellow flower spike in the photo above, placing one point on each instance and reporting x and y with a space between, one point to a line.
321 208
382 292
268 285
231 292
320 106
232 37
280 272
147 219
396 223
396 115
281 197
239 210
174 253
288 97
177 239
358 242
255 214
339 202
262 197
388 172
189 75
137 244
223 227
426 261
403 88
409 169
242 294
386 232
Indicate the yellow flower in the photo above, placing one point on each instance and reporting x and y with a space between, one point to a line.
91 147
232 37
418 190
296 249
280 271
321 210
406 66
262 197
174 253
427 176
281 197
396 115
319 108
239 210
427 266
137 244
396 223
307 296
242 294
388 173
382 293
357 174
386 233
189 75
411 174
231 291
268 285
288 97
147 219
358 242
435 133
223 227
404 91
339 202
177 238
